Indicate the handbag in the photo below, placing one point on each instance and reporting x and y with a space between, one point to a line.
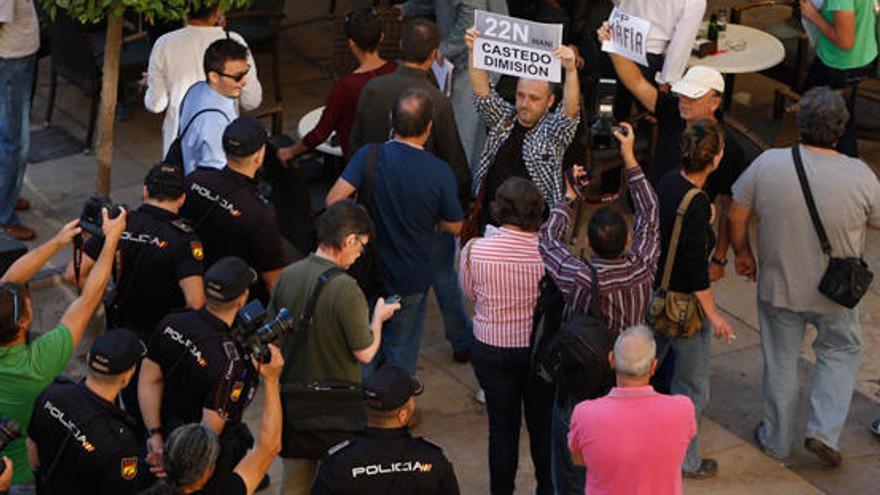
672 313
845 280
317 415
367 269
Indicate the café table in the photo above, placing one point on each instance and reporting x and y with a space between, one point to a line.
746 50
308 122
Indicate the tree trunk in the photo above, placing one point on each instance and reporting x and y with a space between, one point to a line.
109 85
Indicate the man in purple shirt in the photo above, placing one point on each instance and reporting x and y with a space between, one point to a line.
633 440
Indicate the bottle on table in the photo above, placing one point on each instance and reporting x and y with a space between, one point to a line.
713 29
722 29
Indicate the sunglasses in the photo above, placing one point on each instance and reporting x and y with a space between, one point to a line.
236 77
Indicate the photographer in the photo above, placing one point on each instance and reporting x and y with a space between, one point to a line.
195 371
696 96
192 450
27 366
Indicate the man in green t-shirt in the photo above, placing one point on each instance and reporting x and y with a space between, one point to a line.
341 336
27 367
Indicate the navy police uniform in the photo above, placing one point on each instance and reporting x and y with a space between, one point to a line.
156 251
232 218
386 462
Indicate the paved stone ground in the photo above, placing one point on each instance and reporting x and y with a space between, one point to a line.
451 417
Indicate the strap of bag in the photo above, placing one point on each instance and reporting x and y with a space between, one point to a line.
194 117
676 235
307 316
808 196
595 306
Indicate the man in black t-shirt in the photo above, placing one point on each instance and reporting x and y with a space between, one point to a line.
695 97
195 371
386 459
80 440
228 212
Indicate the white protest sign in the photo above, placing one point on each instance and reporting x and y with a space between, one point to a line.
629 36
517 47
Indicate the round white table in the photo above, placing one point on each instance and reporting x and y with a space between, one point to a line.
761 51
308 122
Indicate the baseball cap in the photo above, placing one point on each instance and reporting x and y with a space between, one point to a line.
390 387
244 136
116 352
228 278
165 179
698 80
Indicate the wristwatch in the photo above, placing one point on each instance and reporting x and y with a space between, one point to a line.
153 431
718 262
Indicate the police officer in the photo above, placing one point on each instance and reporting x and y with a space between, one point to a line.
159 265
84 443
195 371
228 212
386 460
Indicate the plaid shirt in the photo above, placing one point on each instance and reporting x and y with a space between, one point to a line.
543 147
625 284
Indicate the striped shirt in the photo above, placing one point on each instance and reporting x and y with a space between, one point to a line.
624 283
500 272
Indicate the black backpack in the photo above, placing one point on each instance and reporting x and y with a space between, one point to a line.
576 356
174 156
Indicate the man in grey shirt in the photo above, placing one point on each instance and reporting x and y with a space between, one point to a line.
790 265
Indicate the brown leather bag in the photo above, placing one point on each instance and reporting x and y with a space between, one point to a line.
676 314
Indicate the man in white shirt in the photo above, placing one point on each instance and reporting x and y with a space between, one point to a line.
19 41
209 106
674 26
176 63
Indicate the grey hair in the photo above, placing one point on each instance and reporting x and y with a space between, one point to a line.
633 359
190 451
821 117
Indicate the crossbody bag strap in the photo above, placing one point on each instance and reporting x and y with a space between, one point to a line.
808 196
676 235
367 189
308 312
595 306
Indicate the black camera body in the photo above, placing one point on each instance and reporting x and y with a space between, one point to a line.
91 219
603 125
254 331
9 430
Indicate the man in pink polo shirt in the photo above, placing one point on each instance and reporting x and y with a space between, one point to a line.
633 440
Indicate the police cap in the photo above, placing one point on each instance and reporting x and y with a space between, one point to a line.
244 136
228 278
165 180
116 352
390 387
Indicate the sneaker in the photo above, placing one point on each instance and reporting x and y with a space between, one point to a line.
708 469
875 427
480 397
823 451
20 232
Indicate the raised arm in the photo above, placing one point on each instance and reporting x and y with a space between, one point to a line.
564 268
646 241
571 92
258 460
28 265
479 77
80 312
630 75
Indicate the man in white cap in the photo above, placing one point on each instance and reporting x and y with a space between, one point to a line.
696 96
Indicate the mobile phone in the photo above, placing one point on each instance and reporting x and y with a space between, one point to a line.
392 299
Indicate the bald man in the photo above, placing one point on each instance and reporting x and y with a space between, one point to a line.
632 426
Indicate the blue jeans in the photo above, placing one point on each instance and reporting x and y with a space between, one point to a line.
16 78
690 377
510 387
458 325
402 335
568 479
838 348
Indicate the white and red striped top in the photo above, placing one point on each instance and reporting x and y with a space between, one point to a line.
500 273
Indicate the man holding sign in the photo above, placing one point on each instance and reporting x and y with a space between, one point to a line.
525 140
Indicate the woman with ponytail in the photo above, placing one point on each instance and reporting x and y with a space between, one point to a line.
686 364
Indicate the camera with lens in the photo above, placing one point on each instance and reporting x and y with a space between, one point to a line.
9 431
91 219
603 125
254 330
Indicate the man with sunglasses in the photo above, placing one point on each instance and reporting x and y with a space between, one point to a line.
27 366
210 105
